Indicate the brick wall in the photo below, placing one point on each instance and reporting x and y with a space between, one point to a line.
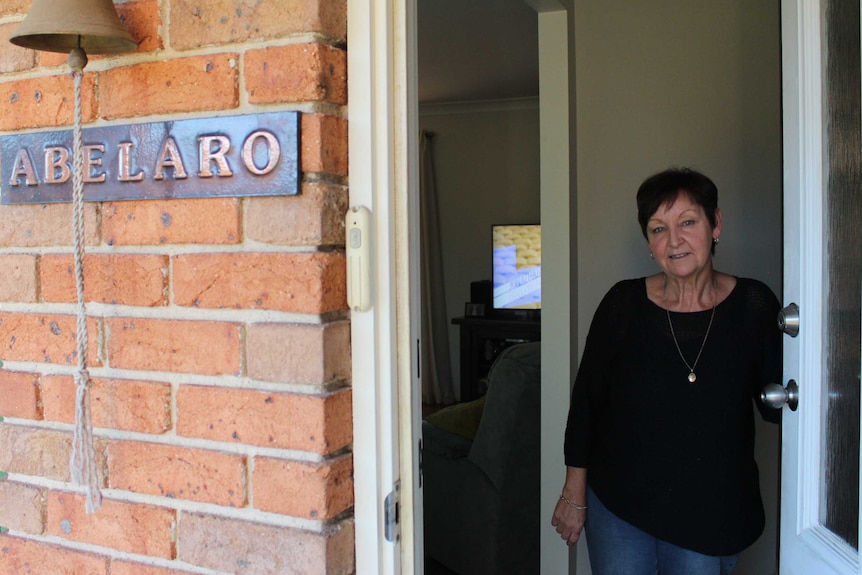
219 335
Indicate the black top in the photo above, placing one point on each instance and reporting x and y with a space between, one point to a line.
674 458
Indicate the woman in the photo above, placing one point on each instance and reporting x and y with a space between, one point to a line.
659 446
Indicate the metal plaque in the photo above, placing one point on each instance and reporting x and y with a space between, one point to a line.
254 155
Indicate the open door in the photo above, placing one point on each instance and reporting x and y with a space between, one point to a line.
823 273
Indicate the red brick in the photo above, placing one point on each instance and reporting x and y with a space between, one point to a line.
44 101
205 347
198 83
298 282
255 549
22 507
178 472
317 423
324 144
39 452
318 354
125 404
195 221
197 24
52 59
20 393
14 58
20 556
18 281
43 225
44 338
10 7
313 218
129 527
142 19
124 279
125 568
296 73
310 490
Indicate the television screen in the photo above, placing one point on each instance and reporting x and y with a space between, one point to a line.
517 267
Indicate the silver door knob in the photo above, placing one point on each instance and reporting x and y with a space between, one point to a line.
788 320
775 396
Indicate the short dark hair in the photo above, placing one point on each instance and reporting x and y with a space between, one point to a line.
665 187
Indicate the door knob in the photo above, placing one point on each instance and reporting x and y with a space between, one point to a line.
788 320
775 396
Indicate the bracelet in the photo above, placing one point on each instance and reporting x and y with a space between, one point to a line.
573 504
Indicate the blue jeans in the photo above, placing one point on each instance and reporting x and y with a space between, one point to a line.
618 548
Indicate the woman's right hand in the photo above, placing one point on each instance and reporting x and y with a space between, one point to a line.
570 513
568 521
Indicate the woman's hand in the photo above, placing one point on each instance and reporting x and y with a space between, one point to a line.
570 513
568 521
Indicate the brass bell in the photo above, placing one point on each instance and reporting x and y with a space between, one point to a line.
62 25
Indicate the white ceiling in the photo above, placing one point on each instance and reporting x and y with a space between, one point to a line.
477 50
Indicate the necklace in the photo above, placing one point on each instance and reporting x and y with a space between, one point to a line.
692 377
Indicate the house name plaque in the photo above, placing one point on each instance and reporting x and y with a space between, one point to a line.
250 155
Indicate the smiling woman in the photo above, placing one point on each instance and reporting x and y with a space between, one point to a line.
680 219
663 394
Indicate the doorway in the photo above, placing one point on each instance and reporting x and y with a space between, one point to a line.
724 120
645 103
478 85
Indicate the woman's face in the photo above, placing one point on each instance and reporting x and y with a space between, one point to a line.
680 237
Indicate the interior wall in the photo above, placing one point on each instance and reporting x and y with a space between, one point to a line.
487 172
694 84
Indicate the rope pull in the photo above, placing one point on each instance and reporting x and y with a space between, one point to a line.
83 461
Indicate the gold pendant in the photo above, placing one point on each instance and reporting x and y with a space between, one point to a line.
692 377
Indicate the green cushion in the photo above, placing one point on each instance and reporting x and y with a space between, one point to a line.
461 418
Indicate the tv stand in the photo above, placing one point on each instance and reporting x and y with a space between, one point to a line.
482 340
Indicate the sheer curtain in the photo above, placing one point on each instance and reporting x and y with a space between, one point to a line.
436 366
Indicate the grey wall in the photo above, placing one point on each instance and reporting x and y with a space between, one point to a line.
487 168
694 83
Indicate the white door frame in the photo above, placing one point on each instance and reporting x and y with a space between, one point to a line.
378 120
806 546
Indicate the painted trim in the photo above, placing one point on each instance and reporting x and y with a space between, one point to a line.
559 285
375 115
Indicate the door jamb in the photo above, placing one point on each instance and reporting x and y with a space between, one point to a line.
378 167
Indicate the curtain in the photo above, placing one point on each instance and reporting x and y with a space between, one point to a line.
436 369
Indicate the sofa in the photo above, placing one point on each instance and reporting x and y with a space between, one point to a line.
481 494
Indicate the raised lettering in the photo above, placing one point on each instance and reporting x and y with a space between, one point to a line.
90 161
170 157
273 149
207 155
23 166
57 170
125 161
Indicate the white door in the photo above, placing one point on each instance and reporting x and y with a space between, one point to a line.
822 215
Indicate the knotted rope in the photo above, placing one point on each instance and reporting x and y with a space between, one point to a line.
83 462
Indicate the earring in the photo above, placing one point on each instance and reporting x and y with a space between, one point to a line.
651 256
715 241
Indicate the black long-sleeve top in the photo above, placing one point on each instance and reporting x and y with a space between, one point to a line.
674 458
